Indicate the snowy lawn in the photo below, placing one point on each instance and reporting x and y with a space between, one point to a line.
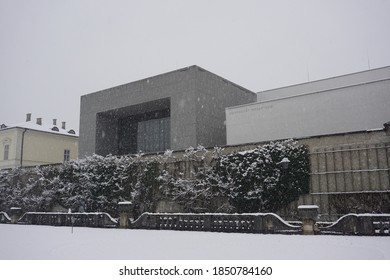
45 242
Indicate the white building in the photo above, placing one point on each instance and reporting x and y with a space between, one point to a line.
349 103
33 143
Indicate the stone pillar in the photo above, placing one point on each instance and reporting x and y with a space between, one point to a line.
125 213
309 216
15 213
207 222
258 224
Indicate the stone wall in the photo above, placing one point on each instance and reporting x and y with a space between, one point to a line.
351 170
349 174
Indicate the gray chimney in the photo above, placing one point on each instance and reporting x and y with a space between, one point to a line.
63 125
28 117
39 121
54 122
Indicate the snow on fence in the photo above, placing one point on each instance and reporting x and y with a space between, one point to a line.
244 223
4 218
350 224
359 224
69 219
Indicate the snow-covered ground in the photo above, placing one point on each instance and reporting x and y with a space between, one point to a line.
45 242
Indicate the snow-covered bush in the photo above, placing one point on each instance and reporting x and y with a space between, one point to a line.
11 188
194 194
252 181
98 183
41 191
256 181
93 184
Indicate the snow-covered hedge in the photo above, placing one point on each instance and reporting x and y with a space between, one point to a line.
92 184
250 181
253 181
256 181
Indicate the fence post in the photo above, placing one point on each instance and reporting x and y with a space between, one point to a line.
207 222
15 213
365 225
309 215
269 226
125 213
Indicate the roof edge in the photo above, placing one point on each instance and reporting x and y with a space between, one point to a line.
324 79
42 131
171 72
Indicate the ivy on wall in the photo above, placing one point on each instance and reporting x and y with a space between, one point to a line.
255 181
92 184
249 181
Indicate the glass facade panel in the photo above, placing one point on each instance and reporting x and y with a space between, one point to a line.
153 135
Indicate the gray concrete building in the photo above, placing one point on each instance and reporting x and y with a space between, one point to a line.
349 103
175 110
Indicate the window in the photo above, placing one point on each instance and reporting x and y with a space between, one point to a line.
153 135
6 152
66 155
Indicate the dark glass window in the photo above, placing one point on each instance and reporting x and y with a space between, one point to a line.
153 135
66 155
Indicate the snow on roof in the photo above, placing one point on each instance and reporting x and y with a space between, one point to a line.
43 127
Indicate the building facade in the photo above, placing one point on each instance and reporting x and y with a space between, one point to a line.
349 103
175 110
33 143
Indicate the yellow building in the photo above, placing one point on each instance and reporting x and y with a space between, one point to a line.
33 143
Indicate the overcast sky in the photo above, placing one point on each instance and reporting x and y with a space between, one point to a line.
52 52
